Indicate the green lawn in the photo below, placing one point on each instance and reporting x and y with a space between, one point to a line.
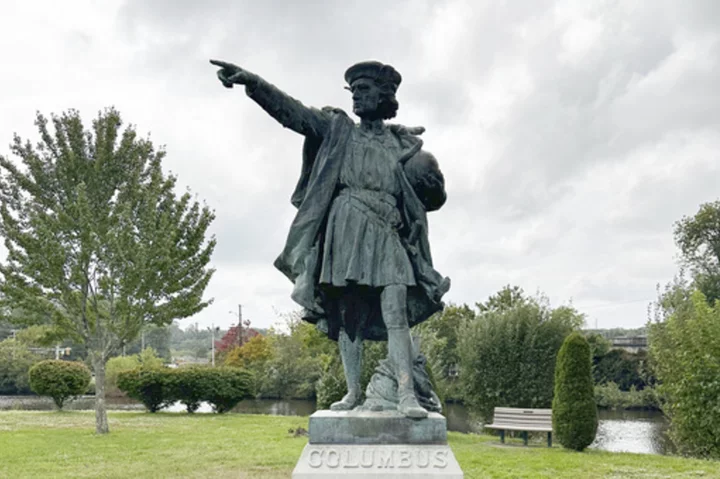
63 444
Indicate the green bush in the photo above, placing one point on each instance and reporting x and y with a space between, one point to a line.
189 386
225 387
575 418
151 386
331 386
157 388
685 349
15 362
507 355
610 396
439 342
91 387
621 367
60 380
146 359
294 368
113 367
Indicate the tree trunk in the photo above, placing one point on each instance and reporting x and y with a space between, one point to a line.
101 421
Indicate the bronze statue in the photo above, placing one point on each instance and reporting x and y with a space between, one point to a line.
357 251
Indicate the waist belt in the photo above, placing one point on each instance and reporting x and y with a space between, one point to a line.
370 195
378 206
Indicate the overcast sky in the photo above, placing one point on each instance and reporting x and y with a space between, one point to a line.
572 135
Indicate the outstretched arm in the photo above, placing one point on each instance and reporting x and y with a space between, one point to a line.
285 109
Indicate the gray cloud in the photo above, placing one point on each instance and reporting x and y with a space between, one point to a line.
572 135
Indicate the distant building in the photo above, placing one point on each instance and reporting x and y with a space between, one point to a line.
631 344
188 360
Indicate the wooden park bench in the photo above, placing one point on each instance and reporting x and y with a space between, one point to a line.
525 420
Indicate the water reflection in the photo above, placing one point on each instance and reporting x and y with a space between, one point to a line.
633 431
291 407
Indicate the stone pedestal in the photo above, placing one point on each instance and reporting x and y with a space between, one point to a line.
364 444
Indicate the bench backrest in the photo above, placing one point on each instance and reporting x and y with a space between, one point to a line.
525 417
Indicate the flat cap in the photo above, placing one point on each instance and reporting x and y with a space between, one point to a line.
379 72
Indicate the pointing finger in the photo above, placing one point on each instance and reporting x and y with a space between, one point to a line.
223 64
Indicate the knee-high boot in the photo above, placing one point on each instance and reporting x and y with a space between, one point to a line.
400 349
351 355
400 352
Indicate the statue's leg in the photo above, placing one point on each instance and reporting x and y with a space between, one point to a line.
393 302
351 355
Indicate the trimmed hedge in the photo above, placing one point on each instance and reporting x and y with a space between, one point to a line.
189 386
150 386
60 380
226 387
222 387
575 418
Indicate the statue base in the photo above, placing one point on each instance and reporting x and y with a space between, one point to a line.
377 461
367 444
375 427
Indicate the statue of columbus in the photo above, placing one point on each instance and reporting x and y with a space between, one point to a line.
357 250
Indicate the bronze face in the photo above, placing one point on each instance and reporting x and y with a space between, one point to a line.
366 98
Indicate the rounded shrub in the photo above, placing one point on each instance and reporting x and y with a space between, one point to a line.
60 380
574 411
157 388
189 386
225 387
151 386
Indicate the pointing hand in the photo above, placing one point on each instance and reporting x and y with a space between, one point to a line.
230 74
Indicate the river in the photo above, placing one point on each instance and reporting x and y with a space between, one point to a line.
618 431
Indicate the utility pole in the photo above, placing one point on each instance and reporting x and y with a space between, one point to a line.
57 352
212 346
142 341
239 331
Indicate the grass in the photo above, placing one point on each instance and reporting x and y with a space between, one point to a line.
63 444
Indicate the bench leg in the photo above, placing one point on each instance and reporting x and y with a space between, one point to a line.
549 439
525 438
502 436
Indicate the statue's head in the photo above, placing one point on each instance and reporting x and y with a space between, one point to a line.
373 86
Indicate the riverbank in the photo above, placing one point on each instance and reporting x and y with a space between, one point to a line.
63 444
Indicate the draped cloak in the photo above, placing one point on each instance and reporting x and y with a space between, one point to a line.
324 150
